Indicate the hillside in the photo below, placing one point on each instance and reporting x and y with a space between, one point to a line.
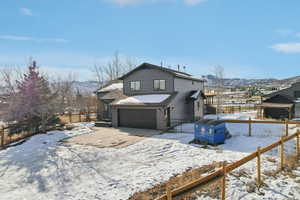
251 82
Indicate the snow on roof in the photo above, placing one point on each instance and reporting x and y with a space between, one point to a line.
196 94
113 86
141 99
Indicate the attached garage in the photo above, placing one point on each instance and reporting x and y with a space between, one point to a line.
137 118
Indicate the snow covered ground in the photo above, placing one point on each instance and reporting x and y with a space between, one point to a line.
44 168
2 123
239 115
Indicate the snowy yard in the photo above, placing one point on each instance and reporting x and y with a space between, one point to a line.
44 168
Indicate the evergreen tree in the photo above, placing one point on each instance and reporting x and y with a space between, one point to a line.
34 97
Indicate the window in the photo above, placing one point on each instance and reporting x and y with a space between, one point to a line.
297 94
159 84
135 85
198 105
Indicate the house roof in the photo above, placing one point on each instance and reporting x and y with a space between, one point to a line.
143 99
280 99
175 73
196 94
276 105
112 85
112 95
151 100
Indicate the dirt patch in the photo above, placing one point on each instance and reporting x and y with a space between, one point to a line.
212 189
103 137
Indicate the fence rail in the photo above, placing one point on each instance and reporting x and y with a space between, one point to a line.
8 135
228 168
250 122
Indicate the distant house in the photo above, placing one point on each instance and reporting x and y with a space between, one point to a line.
283 104
156 97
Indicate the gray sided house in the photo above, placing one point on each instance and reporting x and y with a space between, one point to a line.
106 95
157 98
283 104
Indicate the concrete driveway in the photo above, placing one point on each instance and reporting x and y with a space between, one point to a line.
103 137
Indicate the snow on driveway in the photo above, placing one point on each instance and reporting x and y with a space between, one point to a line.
43 168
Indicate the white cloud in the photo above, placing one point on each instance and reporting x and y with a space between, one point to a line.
26 11
291 47
25 38
123 3
193 2
14 37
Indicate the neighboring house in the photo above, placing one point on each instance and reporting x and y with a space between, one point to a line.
283 103
157 98
106 95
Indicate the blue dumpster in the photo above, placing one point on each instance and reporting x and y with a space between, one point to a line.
211 131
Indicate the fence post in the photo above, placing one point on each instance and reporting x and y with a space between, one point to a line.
2 136
250 127
70 117
298 145
282 153
169 194
286 128
258 167
224 182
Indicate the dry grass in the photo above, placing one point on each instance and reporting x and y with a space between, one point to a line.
270 159
240 173
211 189
291 162
271 173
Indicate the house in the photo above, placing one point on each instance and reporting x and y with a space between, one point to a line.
282 104
156 97
106 95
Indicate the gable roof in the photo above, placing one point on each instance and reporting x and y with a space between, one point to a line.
175 73
113 95
110 86
195 94
150 100
279 98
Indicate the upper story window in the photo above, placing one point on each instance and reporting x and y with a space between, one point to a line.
135 85
159 84
297 94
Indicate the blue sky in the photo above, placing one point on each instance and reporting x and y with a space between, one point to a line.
250 38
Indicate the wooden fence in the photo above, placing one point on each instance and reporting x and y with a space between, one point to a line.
250 122
238 108
7 137
77 117
228 168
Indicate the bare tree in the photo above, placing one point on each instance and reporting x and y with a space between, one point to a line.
64 88
130 64
219 74
115 68
98 72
